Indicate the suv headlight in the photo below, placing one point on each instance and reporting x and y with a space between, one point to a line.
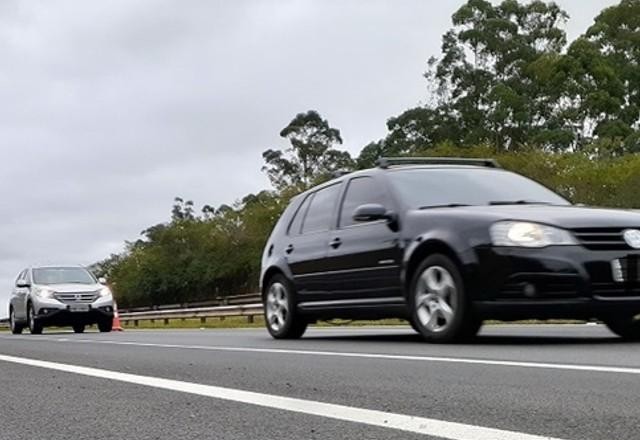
532 235
105 291
43 292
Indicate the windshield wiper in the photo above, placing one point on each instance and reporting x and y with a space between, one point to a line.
518 202
448 205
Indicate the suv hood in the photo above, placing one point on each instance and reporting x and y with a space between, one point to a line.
73 288
568 217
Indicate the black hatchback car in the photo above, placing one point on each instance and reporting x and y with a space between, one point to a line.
446 244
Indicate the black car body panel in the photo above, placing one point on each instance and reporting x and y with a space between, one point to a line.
364 270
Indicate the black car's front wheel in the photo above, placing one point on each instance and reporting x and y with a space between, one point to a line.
627 327
440 310
281 317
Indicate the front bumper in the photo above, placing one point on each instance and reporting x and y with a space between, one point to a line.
553 282
50 311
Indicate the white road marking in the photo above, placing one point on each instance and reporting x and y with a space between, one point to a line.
419 425
380 356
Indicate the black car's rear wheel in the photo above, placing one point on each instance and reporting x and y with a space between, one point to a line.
627 327
16 327
281 318
440 309
35 326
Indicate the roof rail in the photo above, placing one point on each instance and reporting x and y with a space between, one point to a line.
386 162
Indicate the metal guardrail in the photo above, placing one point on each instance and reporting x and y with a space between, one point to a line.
248 310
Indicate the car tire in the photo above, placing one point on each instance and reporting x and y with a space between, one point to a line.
281 317
627 327
16 327
105 326
35 327
439 306
78 328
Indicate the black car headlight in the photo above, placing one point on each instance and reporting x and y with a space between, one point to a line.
531 235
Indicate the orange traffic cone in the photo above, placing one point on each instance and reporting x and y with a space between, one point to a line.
116 319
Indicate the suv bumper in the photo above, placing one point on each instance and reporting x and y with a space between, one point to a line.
53 312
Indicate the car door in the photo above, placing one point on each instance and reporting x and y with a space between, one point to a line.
19 297
364 257
307 240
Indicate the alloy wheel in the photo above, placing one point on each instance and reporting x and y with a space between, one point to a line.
277 306
436 299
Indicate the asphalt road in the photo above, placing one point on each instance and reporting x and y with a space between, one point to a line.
565 382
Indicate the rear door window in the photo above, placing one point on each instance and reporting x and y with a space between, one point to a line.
321 209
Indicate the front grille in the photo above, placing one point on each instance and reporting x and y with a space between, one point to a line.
76 297
601 239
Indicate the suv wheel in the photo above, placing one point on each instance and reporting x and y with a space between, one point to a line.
78 328
16 328
439 307
35 327
105 326
281 318
627 327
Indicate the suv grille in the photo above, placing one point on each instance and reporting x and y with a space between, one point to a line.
601 239
76 297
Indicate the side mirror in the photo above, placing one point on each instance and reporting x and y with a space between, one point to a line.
371 212
102 280
22 284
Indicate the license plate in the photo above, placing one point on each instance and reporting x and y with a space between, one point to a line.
79 308
626 269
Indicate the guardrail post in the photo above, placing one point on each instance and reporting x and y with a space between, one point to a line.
250 319
203 320
166 321
135 322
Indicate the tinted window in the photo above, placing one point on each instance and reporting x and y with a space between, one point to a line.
62 275
361 190
423 187
320 211
20 276
296 223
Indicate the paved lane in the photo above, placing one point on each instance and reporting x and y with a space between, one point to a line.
543 401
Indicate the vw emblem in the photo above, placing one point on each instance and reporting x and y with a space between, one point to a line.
78 297
632 237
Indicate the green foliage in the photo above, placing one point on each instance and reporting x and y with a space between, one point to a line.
311 156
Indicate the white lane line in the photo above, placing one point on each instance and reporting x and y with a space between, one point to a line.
419 425
381 356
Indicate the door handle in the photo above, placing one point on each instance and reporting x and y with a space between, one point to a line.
335 243
289 249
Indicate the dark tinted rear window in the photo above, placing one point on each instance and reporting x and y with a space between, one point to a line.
320 211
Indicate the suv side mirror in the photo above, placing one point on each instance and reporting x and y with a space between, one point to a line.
102 280
22 284
371 212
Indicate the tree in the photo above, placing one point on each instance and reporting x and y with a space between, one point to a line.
311 156
486 84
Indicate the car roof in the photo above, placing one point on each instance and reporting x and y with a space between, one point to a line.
57 266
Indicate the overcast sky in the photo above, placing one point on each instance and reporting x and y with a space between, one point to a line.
111 109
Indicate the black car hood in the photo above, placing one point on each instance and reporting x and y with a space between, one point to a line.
569 216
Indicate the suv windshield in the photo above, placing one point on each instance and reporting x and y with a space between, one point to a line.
435 187
62 275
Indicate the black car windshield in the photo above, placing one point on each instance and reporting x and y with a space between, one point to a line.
62 275
451 187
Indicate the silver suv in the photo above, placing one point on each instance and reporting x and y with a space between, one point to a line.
59 296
